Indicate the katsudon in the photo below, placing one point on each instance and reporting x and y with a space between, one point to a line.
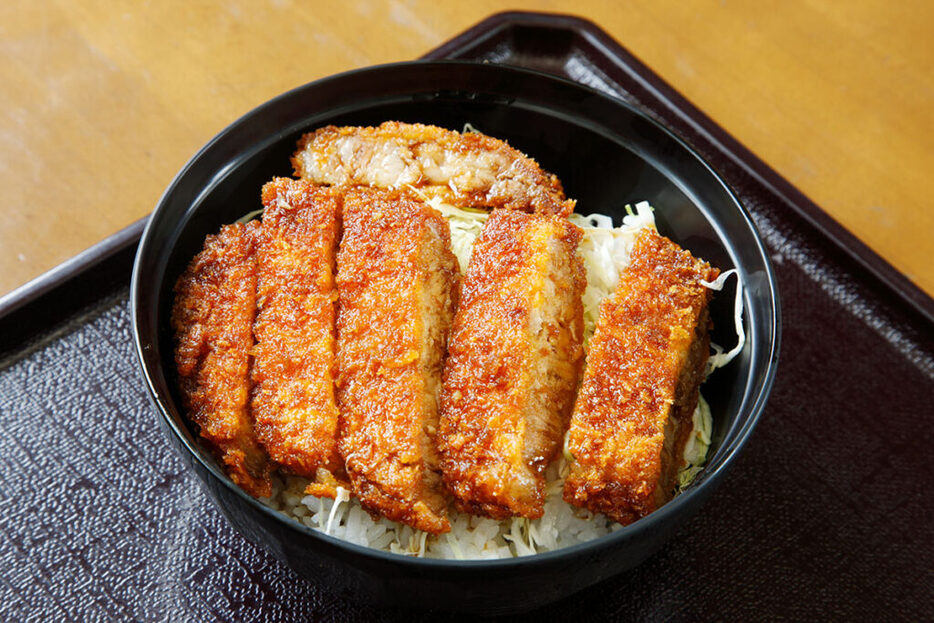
332 348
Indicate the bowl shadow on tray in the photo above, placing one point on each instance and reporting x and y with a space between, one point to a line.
607 156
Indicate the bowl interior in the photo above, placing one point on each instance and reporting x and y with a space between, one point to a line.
606 154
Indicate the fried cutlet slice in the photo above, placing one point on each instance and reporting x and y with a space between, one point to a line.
215 303
633 414
464 170
293 399
397 280
514 361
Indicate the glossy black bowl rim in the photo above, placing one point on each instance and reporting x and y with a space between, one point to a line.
725 455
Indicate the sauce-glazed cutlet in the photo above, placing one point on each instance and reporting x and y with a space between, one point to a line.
293 402
464 170
215 303
397 280
514 362
633 414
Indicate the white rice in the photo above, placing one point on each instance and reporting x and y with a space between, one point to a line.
605 252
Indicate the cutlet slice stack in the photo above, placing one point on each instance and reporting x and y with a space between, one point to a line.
317 343
514 362
215 304
634 411
397 279
466 170
294 403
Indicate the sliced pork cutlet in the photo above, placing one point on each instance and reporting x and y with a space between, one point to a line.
294 367
464 170
514 362
215 303
397 280
633 414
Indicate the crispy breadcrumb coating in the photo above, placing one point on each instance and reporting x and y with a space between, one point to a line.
294 401
464 170
397 280
215 303
633 414
514 361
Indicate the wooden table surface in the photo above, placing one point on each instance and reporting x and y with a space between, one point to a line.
102 103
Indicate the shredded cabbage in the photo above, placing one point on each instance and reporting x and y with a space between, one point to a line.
250 216
695 451
719 358
465 229
343 495
605 253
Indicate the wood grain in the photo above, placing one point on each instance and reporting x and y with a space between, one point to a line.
102 104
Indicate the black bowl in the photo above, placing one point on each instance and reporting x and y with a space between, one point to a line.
607 155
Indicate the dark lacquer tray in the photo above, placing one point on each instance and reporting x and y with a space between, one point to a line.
826 515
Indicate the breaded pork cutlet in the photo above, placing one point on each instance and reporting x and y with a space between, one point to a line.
215 303
464 170
293 400
633 414
398 281
514 362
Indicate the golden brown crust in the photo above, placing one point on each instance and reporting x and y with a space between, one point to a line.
464 170
293 402
513 365
646 362
212 318
397 279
